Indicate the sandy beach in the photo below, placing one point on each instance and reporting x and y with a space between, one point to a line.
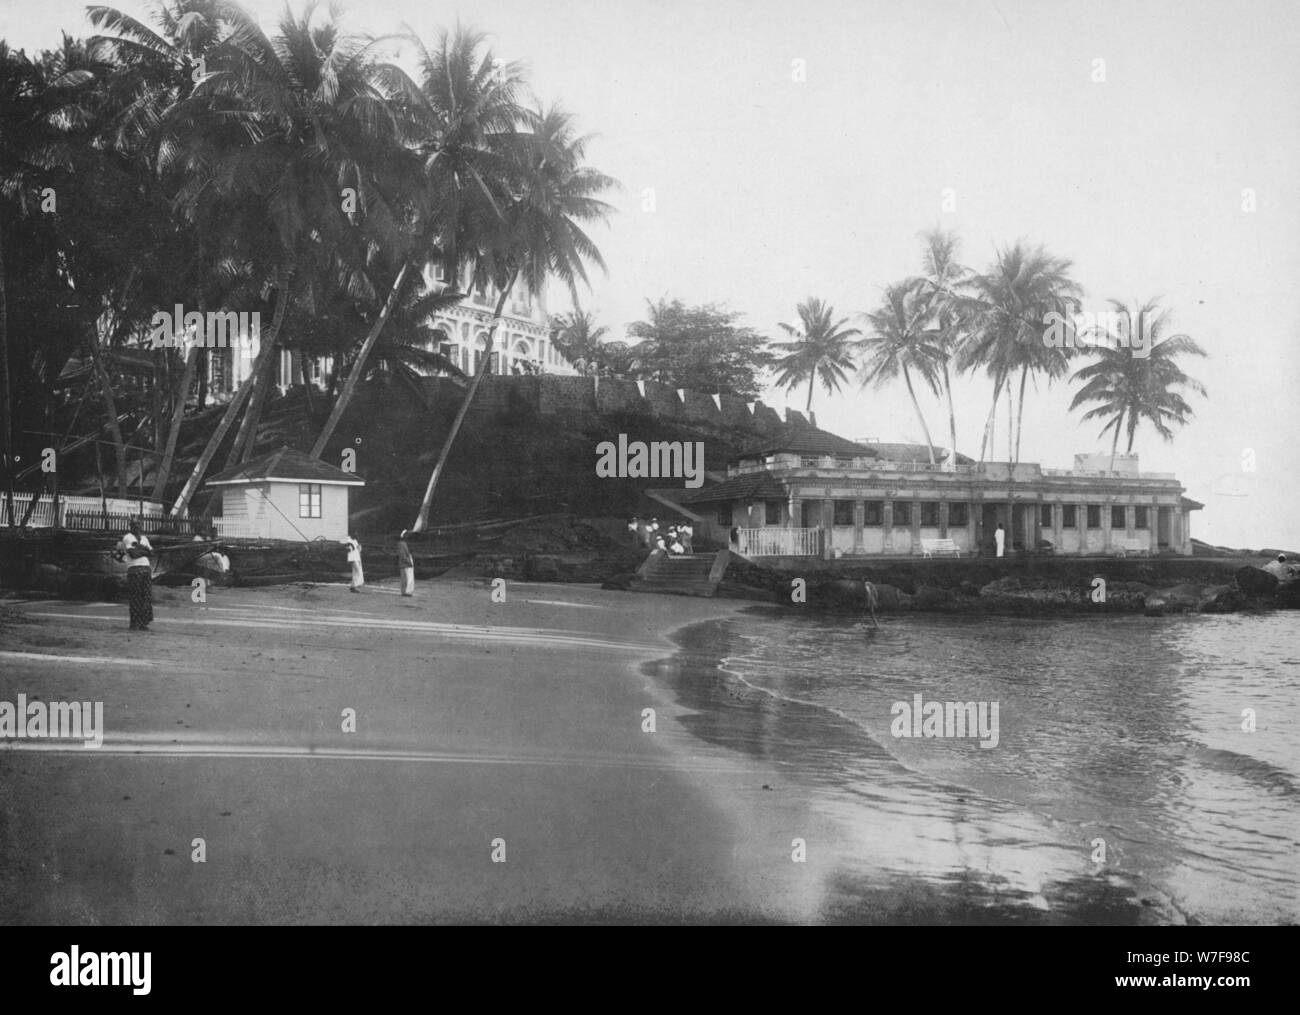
482 728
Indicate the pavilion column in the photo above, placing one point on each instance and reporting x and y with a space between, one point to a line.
859 520
1153 525
943 519
887 524
827 526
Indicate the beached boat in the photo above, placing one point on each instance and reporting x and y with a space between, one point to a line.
85 563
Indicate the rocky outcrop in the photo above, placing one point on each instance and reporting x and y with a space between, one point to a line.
1034 594
1031 588
1221 599
1179 599
1255 581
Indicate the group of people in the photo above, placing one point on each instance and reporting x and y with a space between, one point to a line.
648 535
136 550
405 563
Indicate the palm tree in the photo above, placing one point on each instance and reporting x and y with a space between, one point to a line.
579 337
821 350
1008 307
942 287
899 343
271 137
1129 388
154 69
549 194
407 350
49 121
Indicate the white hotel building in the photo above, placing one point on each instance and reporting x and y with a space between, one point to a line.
523 343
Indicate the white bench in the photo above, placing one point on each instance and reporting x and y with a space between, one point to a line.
929 547
1123 547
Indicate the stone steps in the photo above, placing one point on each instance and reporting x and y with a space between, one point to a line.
686 575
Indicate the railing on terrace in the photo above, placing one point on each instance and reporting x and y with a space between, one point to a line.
775 542
879 465
1101 474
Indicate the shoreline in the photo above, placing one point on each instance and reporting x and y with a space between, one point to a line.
864 880
476 721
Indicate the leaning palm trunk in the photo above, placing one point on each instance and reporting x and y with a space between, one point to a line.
7 421
1020 413
808 408
246 437
422 520
986 442
110 410
180 397
907 378
1114 444
359 366
237 400
952 413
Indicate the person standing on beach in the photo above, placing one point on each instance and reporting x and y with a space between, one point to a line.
354 558
634 530
139 576
687 533
406 565
1000 537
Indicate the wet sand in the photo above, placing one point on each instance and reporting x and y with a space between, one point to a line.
510 729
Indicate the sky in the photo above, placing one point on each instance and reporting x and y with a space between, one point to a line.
769 152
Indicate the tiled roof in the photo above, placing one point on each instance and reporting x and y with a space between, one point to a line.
914 453
750 486
286 464
808 440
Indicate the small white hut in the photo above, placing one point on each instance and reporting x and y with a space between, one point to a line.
284 495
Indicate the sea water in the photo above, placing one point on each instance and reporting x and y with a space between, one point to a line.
1146 770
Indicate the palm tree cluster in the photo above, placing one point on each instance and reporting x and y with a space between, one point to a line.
950 320
204 161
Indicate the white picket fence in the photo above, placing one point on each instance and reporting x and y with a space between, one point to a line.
93 514
234 528
776 542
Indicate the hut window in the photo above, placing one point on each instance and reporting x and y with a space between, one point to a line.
844 512
772 515
1117 516
902 512
1140 518
1094 516
873 512
308 500
958 515
724 514
930 512
1069 517
1045 516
